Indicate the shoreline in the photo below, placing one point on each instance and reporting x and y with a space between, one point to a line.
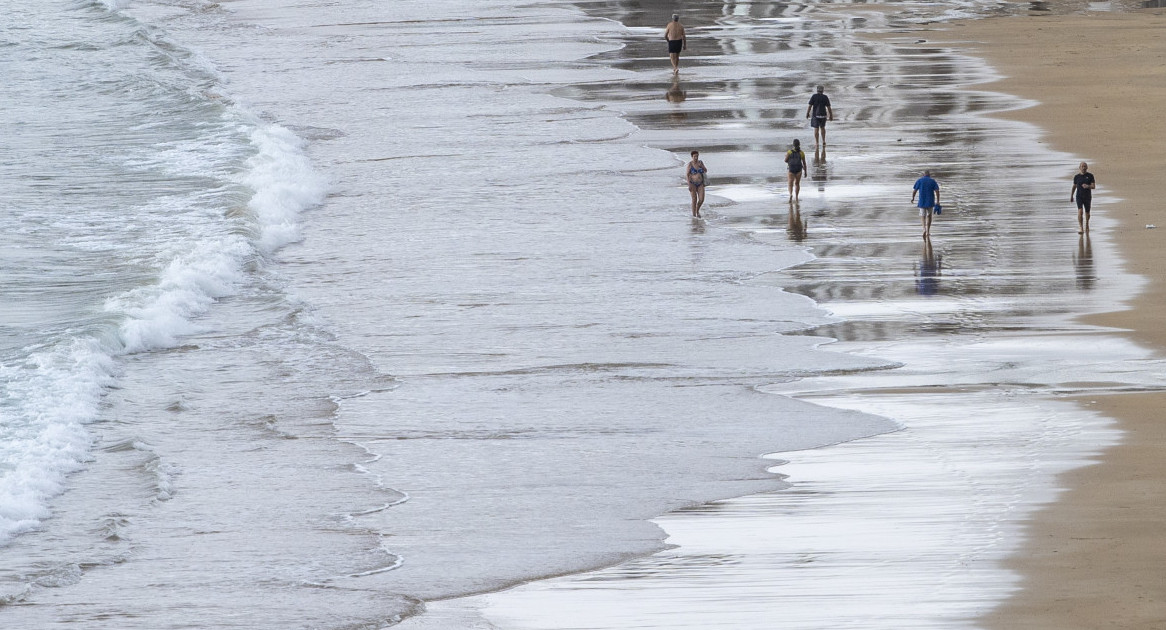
1093 558
524 604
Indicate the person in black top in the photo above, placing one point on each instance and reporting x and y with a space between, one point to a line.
1083 185
819 111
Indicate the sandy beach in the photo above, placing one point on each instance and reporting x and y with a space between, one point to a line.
1094 559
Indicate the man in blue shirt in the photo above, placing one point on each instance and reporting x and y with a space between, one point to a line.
928 191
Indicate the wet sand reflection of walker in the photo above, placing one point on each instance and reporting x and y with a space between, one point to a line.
820 175
928 270
676 95
796 227
1083 263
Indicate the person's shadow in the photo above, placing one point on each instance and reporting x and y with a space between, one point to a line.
1083 263
928 270
796 227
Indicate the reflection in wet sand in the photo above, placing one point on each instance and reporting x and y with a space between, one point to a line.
676 93
928 270
796 228
1083 263
906 530
819 174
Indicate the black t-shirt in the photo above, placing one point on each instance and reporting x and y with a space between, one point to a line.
819 103
1080 180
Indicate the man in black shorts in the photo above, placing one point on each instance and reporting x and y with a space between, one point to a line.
674 33
819 111
1083 185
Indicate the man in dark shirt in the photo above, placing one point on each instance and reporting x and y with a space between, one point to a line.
1083 185
819 111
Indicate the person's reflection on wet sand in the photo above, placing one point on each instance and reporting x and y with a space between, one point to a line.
819 175
697 243
796 227
928 270
676 93
1083 263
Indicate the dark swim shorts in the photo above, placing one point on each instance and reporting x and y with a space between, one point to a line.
816 122
1084 201
674 45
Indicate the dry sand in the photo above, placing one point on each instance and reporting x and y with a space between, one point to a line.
1097 558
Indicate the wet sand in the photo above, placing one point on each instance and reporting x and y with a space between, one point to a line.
1094 559
981 320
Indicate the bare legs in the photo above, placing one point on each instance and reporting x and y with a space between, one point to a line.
675 62
925 217
697 193
1082 221
795 185
820 135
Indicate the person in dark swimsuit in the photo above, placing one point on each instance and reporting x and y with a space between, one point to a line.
674 33
697 177
1083 185
795 160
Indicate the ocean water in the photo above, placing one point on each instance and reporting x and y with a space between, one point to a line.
333 314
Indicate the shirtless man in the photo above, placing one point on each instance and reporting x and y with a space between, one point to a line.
674 33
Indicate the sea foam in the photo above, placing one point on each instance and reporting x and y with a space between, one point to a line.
42 438
57 389
284 183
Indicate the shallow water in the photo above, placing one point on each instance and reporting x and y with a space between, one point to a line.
301 439
907 529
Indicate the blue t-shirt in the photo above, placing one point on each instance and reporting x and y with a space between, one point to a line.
926 187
